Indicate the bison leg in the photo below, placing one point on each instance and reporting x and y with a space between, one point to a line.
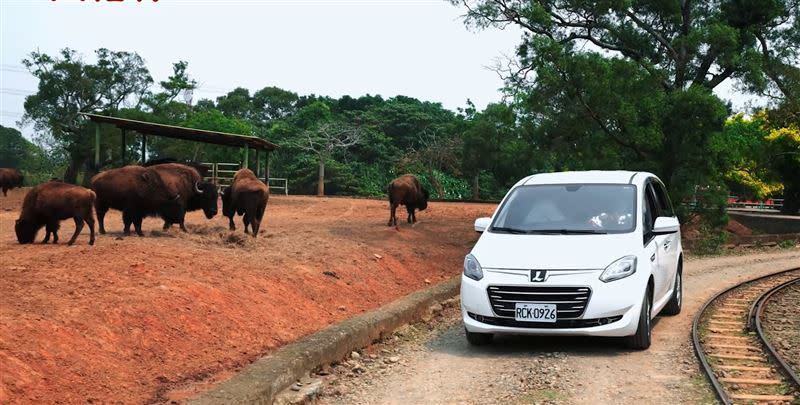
410 211
78 228
167 225
231 225
101 217
127 220
392 217
90 221
137 224
183 227
255 224
246 221
5 192
47 234
54 229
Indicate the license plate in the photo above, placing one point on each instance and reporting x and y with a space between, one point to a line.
535 312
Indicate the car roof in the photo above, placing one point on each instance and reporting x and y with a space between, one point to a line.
590 176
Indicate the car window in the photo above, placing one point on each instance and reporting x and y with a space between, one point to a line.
568 208
648 214
662 198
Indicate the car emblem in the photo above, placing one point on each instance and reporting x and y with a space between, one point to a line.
538 276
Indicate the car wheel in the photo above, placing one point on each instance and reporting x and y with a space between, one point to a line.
673 307
641 340
478 339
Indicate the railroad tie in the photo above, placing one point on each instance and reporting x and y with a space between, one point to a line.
735 357
744 368
754 381
762 397
736 347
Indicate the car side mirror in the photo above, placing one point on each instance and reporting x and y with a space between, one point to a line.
482 223
666 225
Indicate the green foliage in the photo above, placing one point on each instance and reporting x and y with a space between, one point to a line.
19 153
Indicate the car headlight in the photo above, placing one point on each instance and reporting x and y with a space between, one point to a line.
621 268
472 268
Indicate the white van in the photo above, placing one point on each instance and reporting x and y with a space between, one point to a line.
593 253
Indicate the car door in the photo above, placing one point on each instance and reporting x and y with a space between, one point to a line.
669 247
661 274
649 213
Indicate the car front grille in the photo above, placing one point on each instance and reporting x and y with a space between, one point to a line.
559 324
570 301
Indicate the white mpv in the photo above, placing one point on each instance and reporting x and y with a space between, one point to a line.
593 253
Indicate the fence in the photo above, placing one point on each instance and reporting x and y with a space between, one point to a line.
770 204
222 174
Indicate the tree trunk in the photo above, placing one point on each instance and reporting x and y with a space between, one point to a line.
476 187
321 180
791 200
75 163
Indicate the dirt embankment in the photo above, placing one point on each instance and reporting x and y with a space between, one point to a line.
162 317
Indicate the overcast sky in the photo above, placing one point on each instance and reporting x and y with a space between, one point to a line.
418 48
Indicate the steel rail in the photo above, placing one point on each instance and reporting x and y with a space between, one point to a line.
698 351
755 325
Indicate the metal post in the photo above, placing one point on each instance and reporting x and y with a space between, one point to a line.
144 148
97 145
124 144
266 169
246 156
258 162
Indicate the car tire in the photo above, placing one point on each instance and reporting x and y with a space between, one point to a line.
478 339
641 339
673 307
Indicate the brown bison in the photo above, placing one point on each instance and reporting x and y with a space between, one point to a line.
10 178
49 203
406 190
138 192
194 193
247 195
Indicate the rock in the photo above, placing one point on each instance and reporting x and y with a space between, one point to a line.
341 308
392 359
331 274
427 281
436 308
355 355
377 256
358 368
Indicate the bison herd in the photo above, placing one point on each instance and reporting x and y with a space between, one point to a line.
164 190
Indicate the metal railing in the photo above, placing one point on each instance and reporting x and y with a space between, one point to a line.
222 174
769 204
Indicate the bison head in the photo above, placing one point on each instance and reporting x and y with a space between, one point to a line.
227 206
205 196
26 230
423 202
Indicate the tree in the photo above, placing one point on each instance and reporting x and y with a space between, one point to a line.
325 139
628 84
69 86
19 153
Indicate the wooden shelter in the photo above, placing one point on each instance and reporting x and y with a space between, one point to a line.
144 128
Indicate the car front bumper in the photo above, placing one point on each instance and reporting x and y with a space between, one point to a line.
612 309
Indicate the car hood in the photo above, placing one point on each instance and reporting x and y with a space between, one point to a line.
508 251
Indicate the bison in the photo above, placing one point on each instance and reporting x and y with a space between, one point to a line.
406 190
49 203
10 178
194 193
247 195
138 192
200 167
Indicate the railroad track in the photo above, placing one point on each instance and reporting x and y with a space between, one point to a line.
739 362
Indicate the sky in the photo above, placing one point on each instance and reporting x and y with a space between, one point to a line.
418 48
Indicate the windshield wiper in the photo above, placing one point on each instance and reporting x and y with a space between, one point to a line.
569 231
508 230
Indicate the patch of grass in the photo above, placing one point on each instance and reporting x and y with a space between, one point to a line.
700 384
787 244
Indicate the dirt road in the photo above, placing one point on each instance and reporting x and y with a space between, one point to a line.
438 366
161 317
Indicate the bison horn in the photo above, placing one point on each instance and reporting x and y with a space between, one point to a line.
197 188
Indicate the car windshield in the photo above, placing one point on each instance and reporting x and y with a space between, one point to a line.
568 209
